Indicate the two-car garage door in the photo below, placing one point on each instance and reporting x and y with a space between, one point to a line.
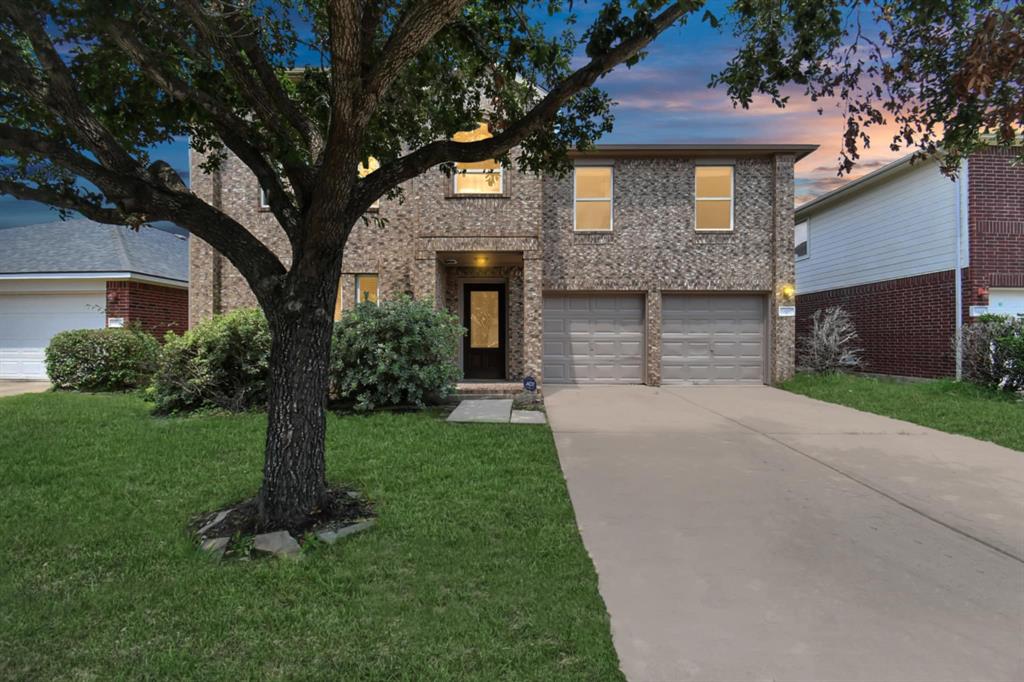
705 338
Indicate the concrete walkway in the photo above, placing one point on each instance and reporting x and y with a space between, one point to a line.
9 387
746 533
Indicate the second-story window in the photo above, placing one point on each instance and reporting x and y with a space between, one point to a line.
714 190
592 193
365 169
478 177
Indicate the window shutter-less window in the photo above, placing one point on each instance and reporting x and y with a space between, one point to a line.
592 198
478 177
714 190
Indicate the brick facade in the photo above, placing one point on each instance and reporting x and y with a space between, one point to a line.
653 247
157 309
996 223
906 326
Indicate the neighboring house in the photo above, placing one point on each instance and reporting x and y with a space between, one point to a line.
648 264
886 248
78 274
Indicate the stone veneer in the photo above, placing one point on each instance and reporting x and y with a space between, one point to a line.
653 247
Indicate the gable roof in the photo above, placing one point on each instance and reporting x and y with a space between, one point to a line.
84 246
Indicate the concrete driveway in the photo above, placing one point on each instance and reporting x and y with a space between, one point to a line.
746 533
9 387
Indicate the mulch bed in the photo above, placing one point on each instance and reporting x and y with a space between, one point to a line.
341 507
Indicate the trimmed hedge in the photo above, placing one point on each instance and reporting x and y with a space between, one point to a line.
221 363
101 359
400 352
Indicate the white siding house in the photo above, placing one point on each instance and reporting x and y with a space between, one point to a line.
901 223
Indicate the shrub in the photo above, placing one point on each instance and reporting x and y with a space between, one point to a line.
830 347
101 359
993 352
220 363
401 352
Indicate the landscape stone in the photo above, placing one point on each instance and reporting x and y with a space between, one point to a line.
528 417
215 547
482 411
332 535
278 543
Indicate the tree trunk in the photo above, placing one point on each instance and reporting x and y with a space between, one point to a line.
294 478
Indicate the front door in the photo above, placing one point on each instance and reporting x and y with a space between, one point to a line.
484 316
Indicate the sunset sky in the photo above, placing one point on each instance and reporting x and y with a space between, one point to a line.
665 99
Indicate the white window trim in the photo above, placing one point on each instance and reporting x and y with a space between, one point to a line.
478 171
264 200
358 288
807 227
731 198
610 199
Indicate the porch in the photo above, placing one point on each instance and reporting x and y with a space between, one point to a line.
496 295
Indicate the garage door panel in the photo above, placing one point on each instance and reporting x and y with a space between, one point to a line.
598 339
715 339
29 321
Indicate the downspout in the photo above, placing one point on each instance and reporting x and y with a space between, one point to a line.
961 229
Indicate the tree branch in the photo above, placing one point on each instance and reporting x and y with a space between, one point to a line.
441 151
69 201
61 95
234 131
415 29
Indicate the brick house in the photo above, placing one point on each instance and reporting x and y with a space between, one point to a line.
886 248
646 264
79 274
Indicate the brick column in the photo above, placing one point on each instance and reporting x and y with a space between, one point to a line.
782 344
653 360
424 276
533 304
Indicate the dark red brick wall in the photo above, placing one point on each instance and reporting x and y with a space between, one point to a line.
906 325
996 223
157 309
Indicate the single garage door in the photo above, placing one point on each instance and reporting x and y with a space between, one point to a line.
594 339
712 339
1006 301
28 321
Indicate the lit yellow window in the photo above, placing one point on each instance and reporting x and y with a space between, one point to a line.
366 288
593 198
478 177
714 198
365 169
339 303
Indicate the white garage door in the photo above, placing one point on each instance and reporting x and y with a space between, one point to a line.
27 321
712 339
1006 301
594 339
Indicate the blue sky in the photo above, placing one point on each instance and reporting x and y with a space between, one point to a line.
665 99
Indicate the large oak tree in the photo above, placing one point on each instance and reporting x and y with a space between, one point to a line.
304 91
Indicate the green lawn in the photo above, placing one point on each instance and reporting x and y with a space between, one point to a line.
944 405
475 570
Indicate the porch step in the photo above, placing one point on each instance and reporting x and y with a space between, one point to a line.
487 390
479 388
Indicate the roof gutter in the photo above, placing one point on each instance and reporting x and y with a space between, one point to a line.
132 276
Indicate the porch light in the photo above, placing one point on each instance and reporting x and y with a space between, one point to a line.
481 261
787 292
